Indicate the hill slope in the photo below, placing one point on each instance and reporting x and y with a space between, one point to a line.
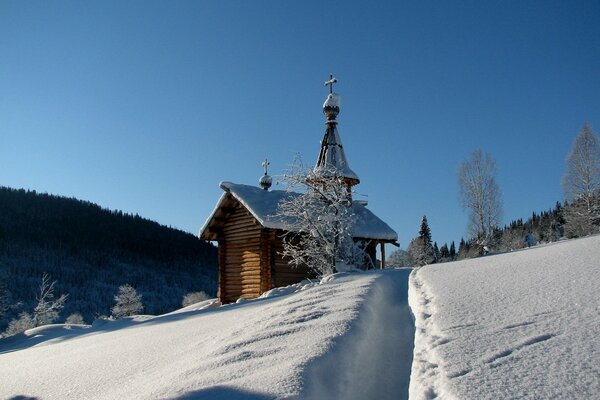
516 325
91 251
323 341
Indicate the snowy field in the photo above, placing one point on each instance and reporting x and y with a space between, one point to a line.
518 325
350 337
523 325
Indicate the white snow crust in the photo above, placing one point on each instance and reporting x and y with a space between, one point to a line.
350 335
262 204
522 325
332 100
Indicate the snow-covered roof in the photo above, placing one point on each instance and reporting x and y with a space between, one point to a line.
262 204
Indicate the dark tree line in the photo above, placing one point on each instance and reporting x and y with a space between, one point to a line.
91 252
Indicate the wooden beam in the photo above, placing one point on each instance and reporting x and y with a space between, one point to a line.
382 255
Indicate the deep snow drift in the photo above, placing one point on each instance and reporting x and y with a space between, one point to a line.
349 337
518 325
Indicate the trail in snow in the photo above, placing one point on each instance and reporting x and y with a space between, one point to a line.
349 337
374 359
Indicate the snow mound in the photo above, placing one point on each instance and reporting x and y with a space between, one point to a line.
518 325
350 335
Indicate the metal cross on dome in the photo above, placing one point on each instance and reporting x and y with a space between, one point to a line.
265 165
330 82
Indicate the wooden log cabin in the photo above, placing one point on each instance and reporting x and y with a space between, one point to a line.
249 232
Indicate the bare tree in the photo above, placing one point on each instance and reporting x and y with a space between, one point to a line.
480 194
581 183
318 221
47 309
127 302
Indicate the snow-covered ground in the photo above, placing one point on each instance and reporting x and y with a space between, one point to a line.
518 325
349 337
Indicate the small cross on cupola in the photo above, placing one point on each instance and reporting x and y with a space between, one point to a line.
266 181
330 82
331 107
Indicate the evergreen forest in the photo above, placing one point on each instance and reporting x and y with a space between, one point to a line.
90 252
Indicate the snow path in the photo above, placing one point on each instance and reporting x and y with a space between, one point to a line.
339 339
374 359
518 325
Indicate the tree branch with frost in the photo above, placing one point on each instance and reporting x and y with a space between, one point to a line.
47 309
318 221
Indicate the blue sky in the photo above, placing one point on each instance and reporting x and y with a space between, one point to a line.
146 106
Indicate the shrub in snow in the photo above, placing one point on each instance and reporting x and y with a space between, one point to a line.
75 318
21 324
193 298
47 309
127 302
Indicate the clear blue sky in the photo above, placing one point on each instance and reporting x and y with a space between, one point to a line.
146 106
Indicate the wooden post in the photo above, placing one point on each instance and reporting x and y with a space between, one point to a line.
382 255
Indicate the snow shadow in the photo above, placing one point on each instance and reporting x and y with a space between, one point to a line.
21 397
223 393
374 359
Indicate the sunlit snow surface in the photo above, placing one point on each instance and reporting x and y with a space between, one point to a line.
347 337
521 325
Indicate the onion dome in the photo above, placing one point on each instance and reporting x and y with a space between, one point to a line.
265 181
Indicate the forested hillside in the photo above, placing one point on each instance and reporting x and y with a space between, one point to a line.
91 251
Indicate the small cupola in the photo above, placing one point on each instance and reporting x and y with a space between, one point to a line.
265 181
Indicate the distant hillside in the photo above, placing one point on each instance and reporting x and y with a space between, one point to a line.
91 251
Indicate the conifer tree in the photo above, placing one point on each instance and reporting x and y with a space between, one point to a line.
444 253
421 248
452 252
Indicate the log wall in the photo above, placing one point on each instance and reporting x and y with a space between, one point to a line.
284 274
240 268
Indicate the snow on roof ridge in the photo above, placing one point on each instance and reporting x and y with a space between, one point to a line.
263 206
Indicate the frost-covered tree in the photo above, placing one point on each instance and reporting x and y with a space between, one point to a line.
193 298
398 259
47 308
318 221
581 183
480 194
127 302
3 300
21 324
75 319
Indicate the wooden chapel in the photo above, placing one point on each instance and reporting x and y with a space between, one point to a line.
249 234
